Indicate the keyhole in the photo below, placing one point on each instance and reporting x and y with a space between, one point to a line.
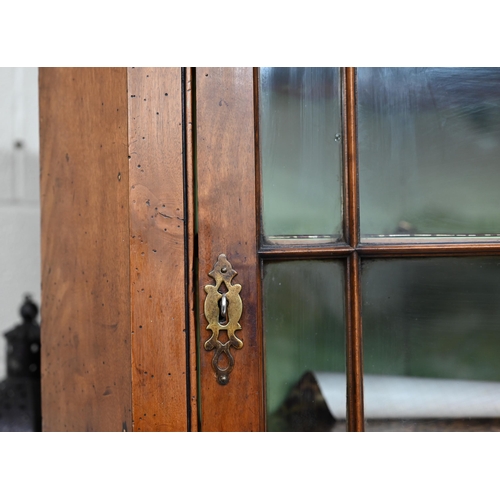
223 310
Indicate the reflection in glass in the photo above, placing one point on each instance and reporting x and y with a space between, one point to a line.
429 151
300 140
431 343
304 331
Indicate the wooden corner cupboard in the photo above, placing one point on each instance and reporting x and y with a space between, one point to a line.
169 196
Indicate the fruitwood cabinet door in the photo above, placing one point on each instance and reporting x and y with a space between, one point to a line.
122 270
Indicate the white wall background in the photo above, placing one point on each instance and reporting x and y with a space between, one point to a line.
19 196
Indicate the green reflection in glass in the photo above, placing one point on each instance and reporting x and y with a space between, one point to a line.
429 151
304 324
432 318
300 138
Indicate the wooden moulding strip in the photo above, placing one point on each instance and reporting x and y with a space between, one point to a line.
189 103
354 345
351 193
259 240
259 203
157 250
85 351
227 225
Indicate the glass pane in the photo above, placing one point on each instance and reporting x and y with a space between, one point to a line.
304 332
429 151
300 139
431 343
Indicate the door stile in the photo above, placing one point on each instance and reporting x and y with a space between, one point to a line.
226 190
354 343
157 250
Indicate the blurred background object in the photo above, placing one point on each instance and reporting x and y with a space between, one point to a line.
19 195
20 392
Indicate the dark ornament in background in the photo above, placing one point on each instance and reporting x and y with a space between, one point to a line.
304 409
20 400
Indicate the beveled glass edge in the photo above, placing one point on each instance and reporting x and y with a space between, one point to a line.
302 239
394 239
428 249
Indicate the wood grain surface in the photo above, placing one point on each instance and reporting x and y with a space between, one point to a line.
85 253
227 224
115 261
157 250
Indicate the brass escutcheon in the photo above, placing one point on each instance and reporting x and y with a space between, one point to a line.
229 311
